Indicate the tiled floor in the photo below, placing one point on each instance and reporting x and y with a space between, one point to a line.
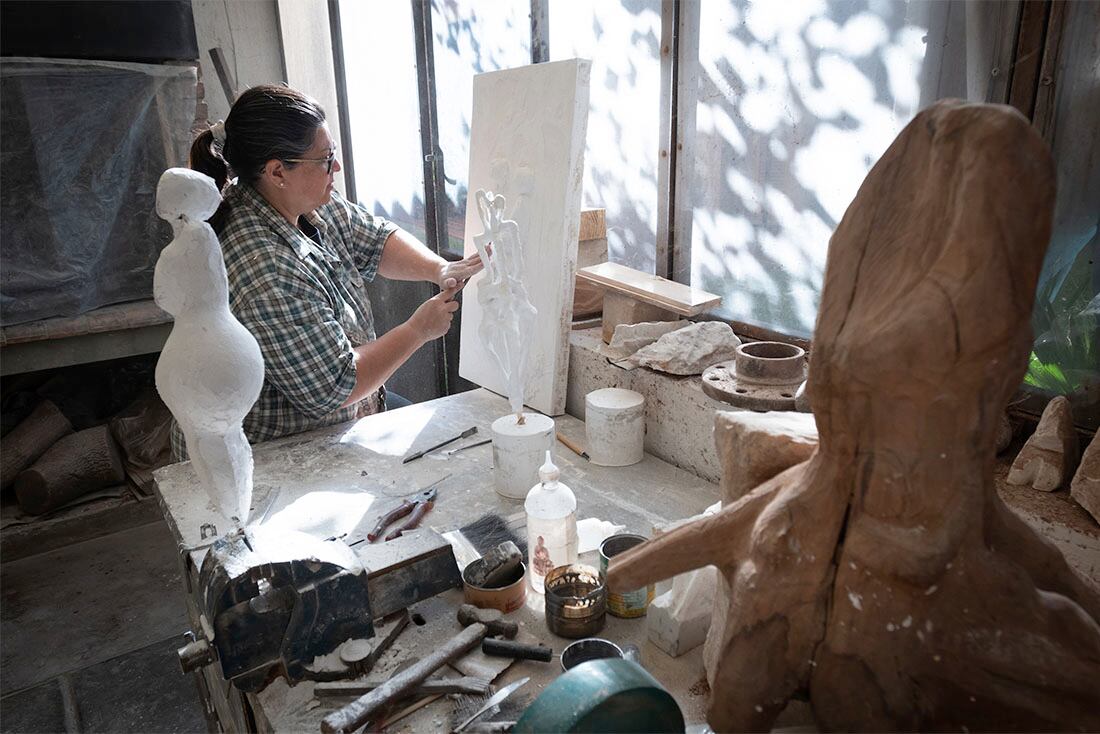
96 625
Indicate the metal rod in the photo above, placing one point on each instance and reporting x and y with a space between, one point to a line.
435 196
540 31
338 65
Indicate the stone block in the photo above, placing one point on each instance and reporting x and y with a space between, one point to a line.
1049 457
754 447
1085 487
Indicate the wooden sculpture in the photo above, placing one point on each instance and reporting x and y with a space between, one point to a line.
883 577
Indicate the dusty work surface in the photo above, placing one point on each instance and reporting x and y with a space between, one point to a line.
329 481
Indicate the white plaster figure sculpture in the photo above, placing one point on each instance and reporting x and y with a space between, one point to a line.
210 371
527 142
509 318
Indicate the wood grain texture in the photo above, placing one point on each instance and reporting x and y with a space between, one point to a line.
77 464
593 225
676 297
883 576
30 439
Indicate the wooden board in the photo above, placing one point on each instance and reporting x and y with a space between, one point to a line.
593 225
591 250
119 317
676 297
527 143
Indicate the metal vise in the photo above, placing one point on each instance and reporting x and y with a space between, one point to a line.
274 603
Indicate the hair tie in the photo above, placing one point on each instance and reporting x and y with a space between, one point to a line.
218 131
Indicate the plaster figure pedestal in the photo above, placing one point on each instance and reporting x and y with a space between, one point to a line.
615 425
518 452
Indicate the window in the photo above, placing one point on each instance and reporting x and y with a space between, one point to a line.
384 115
794 104
620 160
470 38
1066 319
779 110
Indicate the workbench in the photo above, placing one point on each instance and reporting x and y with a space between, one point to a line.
328 481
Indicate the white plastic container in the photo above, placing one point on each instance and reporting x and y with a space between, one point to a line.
551 525
517 452
614 422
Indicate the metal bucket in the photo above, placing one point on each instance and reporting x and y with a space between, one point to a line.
627 604
576 601
590 648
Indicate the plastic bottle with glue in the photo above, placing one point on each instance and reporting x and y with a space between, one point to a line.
551 525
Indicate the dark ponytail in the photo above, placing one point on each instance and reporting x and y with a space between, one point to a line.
205 160
266 123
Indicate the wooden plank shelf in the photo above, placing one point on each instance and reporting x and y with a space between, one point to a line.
652 289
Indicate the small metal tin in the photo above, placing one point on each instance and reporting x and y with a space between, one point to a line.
576 601
507 598
590 648
627 604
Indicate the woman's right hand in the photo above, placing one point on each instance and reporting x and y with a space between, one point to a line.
433 318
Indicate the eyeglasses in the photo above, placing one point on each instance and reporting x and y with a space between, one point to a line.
329 161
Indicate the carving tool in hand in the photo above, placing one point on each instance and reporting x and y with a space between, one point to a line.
465 434
452 452
416 507
573 447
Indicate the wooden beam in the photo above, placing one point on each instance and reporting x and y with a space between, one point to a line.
593 225
1029 55
661 292
1043 114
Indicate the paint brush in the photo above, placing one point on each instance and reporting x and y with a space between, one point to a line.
572 446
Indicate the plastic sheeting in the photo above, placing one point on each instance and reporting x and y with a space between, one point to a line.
82 146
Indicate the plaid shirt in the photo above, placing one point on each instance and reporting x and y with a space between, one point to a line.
306 305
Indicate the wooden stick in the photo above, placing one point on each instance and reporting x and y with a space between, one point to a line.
573 447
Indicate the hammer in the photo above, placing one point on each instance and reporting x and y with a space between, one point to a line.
478 623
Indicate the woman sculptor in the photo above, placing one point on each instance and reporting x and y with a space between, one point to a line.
298 255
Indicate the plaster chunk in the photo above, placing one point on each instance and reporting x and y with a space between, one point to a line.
1048 459
678 620
629 338
690 350
1085 487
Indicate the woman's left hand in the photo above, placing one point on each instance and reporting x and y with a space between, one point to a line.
453 274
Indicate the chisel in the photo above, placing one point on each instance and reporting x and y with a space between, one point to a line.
465 434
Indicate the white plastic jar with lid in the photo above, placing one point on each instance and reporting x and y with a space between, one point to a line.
551 525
